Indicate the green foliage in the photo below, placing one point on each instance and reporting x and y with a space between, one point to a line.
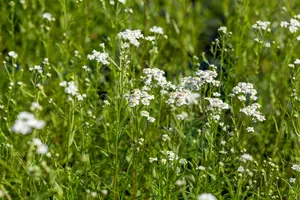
90 110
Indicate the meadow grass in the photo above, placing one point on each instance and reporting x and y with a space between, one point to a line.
178 99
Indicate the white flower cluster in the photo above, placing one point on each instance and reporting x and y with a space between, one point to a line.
137 96
26 122
171 157
244 89
260 25
182 116
72 90
48 17
252 111
41 148
146 114
246 157
157 30
296 167
36 68
223 29
206 196
155 77
100 57
216 104
208 76
13 54
293 25
132 36
35 106
182 97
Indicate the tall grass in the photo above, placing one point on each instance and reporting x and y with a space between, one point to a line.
116 99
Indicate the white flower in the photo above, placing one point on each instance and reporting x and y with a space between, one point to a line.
182 161
35 106
296 167
48 17
165 137
246 157
250 129
223 29
26 122
297 62
206 196
100 57
182 116
292 180
156 29
71 89
63 84
153 159
201 168
122 1
252 112
144 113
138 97
259 25
132 36
151 119
13 54
241 169
41 147
180 182
217 104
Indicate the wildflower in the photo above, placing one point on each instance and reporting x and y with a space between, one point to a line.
201 168
180 182
223 29
132 36
292 180
157 30
260 25
144 113
150 38
182 97
13 54
245 88
252 112
63 84
217 104
151 119
241 169
250 129
35 106
41 147
94 194
284 24
48 17
206 196
182 161
246 157
122 1
153 160
71 88
100 57
296 167
216 94
26 122
297 62
165 137
182 116
138 97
